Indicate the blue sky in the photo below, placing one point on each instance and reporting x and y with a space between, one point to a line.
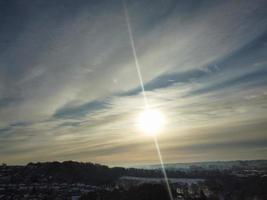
69 89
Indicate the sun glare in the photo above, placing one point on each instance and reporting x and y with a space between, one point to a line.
151 121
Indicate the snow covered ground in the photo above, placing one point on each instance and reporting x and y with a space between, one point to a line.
141 180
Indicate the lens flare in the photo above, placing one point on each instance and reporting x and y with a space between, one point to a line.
150 121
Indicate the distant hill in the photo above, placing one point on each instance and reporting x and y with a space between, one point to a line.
96 174
62 172
69 172
213 165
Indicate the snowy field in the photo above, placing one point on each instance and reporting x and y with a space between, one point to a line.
159 180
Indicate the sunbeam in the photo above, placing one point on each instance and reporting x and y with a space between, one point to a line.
147 119
134 51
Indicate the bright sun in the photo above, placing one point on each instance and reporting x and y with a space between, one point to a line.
151 121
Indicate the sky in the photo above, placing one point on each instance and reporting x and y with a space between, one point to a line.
69 87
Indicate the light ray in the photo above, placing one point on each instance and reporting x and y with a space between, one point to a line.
137 65
138 69
163 167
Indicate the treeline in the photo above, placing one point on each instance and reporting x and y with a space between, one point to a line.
71 172
95 174
63 172
89 173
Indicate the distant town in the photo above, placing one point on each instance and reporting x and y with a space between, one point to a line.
71 180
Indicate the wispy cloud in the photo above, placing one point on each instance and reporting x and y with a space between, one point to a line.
69 88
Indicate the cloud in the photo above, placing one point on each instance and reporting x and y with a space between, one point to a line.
67 76
80 111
